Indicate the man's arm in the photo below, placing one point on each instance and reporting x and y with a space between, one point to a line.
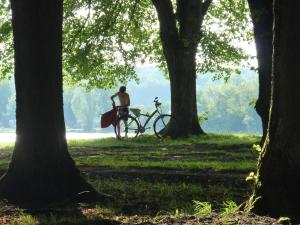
113 96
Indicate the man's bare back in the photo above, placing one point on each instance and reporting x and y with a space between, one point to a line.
123 97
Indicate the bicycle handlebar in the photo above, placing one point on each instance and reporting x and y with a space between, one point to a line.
157 103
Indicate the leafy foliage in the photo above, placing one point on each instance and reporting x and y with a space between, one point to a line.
222 107
105 40
284 220
6 45
252 177
7 103
226 24
257 148
227 105
203 117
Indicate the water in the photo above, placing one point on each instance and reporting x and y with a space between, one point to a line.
11 137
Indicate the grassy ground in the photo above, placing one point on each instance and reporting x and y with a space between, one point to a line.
151 177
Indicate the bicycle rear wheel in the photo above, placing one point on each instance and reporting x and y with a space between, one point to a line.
160 124
126 127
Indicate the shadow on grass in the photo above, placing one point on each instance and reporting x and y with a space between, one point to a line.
56 215
70 217
141 196
154 177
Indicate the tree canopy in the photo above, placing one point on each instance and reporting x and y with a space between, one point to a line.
105 40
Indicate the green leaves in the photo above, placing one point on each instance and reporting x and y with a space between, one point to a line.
6 45
225 27
217 55
5 30
105 40
229 207
252 177
203 117
257 148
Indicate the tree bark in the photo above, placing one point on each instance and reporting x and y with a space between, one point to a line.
41 170
179 47
262 18
277 189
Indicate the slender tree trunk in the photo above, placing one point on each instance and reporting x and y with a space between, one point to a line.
277 189
41 169
179 47
262 18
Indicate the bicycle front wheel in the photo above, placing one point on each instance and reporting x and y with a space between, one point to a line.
126 127
160 124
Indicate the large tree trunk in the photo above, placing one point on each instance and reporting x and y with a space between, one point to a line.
278 185
183 88
41 170
262 18
179 47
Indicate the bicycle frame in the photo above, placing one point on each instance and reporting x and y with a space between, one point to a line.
149 117
135 119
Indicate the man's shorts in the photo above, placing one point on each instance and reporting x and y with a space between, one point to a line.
123 111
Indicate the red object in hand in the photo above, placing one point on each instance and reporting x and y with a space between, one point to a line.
109 118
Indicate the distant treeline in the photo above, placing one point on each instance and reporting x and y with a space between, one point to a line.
223 107
229 108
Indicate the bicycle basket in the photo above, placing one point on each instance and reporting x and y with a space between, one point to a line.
136 111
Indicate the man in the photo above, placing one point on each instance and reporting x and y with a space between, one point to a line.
124 102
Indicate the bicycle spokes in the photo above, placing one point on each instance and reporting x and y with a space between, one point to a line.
160 124
126 127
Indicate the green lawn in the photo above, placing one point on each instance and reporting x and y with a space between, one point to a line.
148 176
152 141
215 152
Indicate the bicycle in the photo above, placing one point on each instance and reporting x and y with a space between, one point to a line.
130 126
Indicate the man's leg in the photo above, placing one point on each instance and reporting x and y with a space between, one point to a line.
126 128
118 129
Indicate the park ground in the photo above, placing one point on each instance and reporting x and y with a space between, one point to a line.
199 180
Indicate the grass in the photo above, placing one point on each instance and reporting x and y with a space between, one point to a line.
171 164
6 147
202 208
142 197
216 152
151 176
149 140
99 216
147 176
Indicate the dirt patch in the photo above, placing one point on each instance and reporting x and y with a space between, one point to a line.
238 218
233 219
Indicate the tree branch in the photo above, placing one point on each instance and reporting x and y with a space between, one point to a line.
190 20
168 31
205 6
166 18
